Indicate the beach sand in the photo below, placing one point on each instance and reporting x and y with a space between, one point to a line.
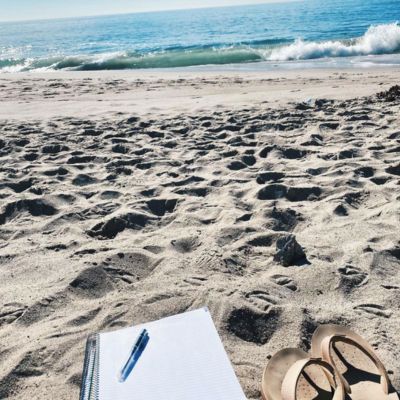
126 197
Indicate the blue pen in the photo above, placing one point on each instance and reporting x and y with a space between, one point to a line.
137 350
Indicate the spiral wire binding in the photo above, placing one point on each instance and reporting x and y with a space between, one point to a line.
90 375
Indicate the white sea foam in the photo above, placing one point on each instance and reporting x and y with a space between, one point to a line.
379 39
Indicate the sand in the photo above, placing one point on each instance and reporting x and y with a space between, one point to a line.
270 197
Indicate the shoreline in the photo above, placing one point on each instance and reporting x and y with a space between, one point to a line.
352 63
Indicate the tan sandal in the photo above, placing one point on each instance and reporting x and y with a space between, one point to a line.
354 361
292 375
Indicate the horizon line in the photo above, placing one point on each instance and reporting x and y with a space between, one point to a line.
145 12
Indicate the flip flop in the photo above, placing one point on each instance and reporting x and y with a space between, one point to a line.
292 375
355 362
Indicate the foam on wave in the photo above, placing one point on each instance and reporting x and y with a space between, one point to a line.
379 39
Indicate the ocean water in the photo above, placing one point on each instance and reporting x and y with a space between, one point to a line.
301 33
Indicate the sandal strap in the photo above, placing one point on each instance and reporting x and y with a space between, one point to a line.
328 343
291 379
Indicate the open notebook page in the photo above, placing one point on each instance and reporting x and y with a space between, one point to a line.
184 360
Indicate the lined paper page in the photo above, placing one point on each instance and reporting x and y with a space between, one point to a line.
184 360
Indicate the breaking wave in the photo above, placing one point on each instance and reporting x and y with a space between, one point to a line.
378 40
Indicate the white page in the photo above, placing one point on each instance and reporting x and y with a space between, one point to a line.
183 360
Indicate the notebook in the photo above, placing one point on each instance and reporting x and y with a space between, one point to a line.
184 359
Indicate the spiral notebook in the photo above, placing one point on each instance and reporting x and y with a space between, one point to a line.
183 360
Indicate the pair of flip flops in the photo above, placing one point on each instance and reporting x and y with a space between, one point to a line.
341 366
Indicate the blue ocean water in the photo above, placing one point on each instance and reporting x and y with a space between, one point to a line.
328 32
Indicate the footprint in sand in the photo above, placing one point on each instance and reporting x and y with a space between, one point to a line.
60 171
185 244
351 278
292 153
374 310
262 300
195 280
35 207
364 172
54 148
11 312
236 165
196 191
293 194
84 180
130 266
393 170
19 186
110 228
355 199
32 364
284 281
84 318
264 177
386 262
91 282
252 325
160 207
282 219
380 180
